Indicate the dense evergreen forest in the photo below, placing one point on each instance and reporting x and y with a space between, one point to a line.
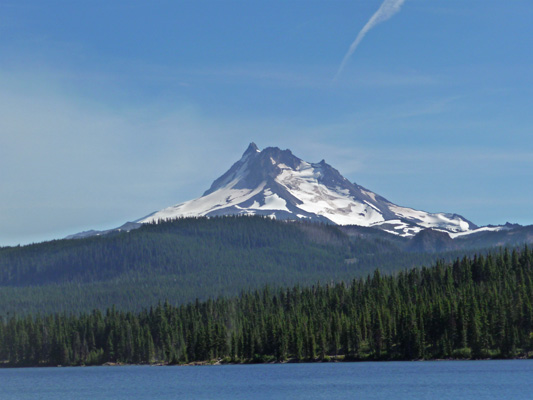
477 307
191 258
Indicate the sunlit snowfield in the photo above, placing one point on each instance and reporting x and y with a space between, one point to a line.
386 380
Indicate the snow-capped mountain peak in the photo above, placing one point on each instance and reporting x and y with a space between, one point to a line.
276 183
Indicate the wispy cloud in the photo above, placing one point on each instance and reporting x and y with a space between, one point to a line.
387 10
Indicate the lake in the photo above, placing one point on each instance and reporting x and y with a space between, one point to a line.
478 380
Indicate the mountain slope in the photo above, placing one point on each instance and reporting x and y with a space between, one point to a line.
276 183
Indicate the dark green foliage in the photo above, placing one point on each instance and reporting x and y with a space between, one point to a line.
191 258
471 308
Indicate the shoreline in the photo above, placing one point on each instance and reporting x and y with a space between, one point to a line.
221 362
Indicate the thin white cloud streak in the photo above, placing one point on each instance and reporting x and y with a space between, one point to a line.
387 9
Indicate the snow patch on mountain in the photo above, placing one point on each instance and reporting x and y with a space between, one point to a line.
335 204
204 205
448 222
398 227
272 202
454 235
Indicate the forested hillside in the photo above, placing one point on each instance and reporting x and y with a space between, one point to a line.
185 259
471 308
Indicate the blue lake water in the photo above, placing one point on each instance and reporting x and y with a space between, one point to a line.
384 380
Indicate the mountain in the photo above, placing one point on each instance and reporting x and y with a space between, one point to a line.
276 183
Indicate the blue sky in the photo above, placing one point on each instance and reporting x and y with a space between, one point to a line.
110 110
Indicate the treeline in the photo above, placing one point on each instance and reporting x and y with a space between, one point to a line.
471 308
190 258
